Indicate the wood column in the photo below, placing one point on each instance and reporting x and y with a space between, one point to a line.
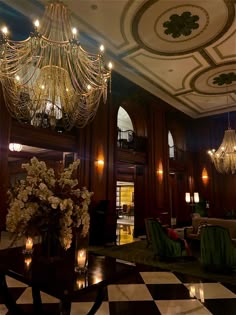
5 127
96 142
157 190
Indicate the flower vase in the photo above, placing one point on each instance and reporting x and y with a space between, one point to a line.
50 247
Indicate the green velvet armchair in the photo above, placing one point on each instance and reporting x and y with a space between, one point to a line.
218 253
162 245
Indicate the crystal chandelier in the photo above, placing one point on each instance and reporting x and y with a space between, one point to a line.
224 158
49 79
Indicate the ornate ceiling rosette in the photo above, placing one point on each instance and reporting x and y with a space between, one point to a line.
159 25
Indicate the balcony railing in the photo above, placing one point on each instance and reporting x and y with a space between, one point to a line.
127 139
179 155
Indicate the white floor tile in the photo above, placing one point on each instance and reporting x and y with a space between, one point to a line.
211 291
12 283
26 297
129 292
82 308
159 278
182 307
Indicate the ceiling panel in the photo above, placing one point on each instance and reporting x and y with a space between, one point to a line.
184 52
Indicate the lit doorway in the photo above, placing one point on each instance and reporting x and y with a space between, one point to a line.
124 212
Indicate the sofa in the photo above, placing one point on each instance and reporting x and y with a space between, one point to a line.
194 232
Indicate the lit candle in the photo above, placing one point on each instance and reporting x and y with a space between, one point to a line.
29 244
81 258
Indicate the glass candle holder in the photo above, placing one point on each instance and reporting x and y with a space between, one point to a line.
81 260
28 246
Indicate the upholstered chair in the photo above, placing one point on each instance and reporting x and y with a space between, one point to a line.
218 253
162 245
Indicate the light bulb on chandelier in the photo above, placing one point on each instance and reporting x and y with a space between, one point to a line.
45 78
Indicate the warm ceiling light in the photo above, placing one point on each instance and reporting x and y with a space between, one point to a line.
53 68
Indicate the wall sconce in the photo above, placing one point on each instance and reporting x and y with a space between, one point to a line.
160 171
205 176
100 163
15 147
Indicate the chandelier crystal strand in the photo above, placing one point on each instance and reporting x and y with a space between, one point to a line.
49 79
224 158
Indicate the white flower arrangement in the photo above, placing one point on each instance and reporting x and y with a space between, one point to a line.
44 198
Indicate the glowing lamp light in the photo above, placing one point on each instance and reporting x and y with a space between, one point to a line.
4 30
36 23
196 197
187 197
205 176
100 162
15 147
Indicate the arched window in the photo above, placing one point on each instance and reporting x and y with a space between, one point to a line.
125 126
123 120
171 145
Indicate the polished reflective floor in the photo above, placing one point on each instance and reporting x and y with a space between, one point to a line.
147 290
124 230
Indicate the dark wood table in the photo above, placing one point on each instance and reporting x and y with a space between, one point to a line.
58 278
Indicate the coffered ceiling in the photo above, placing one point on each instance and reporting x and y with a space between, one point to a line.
182 51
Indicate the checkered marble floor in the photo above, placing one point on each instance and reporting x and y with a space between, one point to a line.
146 291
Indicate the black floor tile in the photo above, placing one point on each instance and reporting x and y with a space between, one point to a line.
191 279
133 277
134 308
168 291
221 306
15 293
91 296
230 286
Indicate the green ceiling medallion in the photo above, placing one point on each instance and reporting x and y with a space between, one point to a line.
225 78
181 24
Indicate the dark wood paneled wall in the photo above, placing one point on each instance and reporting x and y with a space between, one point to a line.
155 192
5 125
220 189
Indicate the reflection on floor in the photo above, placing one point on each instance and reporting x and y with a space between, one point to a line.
147 290
124 230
